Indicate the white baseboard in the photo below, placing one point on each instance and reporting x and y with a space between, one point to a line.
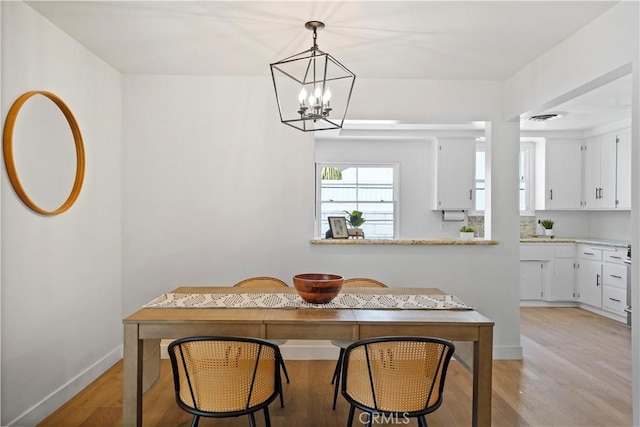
537 303
59 397
507 353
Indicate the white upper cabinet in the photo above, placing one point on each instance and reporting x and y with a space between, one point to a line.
559 179
623 170
601 176
455 174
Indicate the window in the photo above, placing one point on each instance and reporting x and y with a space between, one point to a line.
525 173
480 179
367 188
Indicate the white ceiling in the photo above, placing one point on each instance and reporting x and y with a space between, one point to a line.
457 40
604 105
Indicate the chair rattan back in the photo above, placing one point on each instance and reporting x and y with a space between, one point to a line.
261 282
362 282
356 282
224 376
268 282
396 374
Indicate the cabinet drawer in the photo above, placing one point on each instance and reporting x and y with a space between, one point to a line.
562 251
614 299
589 252
614 275
536 252
618 256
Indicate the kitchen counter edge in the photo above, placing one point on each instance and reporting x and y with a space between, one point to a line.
581 240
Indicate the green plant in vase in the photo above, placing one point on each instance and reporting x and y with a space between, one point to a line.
355 221
547 224
466 232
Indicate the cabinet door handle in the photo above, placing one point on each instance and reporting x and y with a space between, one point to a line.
471 194
615 257
613 299
588 253
601 192
597 280
551 194
596 192
617 277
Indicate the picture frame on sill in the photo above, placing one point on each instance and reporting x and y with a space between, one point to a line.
338 226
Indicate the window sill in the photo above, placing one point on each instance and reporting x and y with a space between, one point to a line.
411 242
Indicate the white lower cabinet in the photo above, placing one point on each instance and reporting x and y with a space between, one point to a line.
547 272
613 299
592 275
614 282
531 279
589 278
563 281
589 275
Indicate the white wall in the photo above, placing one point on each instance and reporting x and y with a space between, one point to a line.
599 224
61 309
610 224
212 197
216 189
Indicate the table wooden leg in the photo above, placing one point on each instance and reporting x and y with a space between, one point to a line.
482 377
150 363
132 381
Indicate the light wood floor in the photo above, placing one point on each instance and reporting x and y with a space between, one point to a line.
576 372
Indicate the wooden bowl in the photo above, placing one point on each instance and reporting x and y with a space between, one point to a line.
318 288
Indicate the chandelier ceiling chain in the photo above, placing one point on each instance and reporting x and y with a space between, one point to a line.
312 71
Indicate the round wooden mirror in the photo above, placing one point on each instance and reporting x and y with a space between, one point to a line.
42 135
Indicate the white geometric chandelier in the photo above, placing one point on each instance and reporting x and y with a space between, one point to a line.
312 88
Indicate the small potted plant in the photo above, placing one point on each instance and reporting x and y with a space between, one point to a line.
355 220
466 232
547 224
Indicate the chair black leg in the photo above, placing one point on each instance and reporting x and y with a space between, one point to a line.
267 420
281 394
284 369
337 380
252 420
336 372
352 410
194 422
422 422
369 419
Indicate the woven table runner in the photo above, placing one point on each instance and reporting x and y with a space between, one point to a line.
290 300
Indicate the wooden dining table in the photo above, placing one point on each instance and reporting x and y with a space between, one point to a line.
144 329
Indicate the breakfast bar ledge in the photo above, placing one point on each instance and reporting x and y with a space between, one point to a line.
406 242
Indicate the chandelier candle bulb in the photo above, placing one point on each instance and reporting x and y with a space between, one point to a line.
302 97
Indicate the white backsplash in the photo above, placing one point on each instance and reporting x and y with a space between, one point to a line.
599 224
613 225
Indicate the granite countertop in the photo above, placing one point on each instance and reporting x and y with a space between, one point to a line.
405 242
585 240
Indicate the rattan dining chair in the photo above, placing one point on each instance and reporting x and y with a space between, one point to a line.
395 378
223 377
268 282
356 282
